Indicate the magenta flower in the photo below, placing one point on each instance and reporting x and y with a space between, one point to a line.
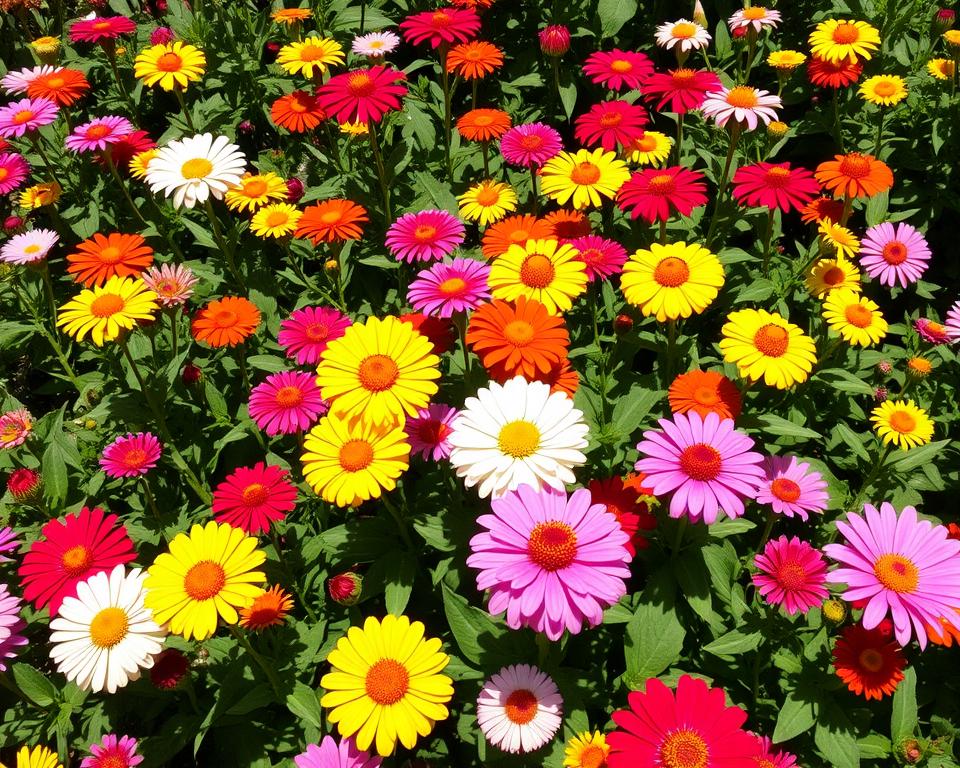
791 488
330 754
11 625
792 574
8 542
551 563
603 257
530 145
932 331
113 752
286 402
18 117
952 322
611 123
902 566
618 70
98 134
424 236
706 464
770 758
131 455
446 288
98 29
13 170
428 431
894 254
305 334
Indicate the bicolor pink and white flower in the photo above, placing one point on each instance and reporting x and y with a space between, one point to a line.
29 247
19 117
519 709
743 104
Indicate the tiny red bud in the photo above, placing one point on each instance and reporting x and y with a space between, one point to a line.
191 374
345 588
294 190
623 324
24 485
554 40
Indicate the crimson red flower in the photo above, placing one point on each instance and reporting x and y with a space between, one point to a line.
70 551
869 662
439 331
833 74
169 668
253 497
444 25
679 90
101 28
774 186
362 95
616 69
624 503
656 193
123 150
610 123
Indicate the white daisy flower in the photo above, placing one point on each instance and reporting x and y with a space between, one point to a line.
517 433
519 709
687 35
17 82
375 44
743 103
755 16
196 168
104 637
29 247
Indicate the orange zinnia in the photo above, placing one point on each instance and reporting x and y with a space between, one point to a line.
64 86
297 112
99 258
567 225
704 392
332 221
475 59
821 208
483 124
855 175
561 377
514 230
226 322
517 340
266 610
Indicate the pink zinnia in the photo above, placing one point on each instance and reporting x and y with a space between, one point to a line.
603 257
424 236
791 488
11 625
444 25
902 566
101 28
610 123
9 542
131 455
894 254
305 334
173 283
251 498
769 758
428 431
18 117
743 104
550 562
362 95
706 464
792 574
932 331
287 402
776 186
113 751
29 247
530 145
330 754
98 134
657 193
447 288
952 322
13 170
15 427
679 90
618 70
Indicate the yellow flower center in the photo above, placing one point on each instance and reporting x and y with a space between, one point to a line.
858 315
902 421
684 749
76 560
845 33
101 25
197 168
453 286
897 573
537 271
585 174
204 580
355 455
894 253
169 62
684 30
33 247
755 13
377 373
56 82
785 489
772 340
671 272
871 659
519 439
646 144
701 462
387 682
552 546
521 706
518 332
742 96
106 305
108 627
621 66
289 397
254 495
277 218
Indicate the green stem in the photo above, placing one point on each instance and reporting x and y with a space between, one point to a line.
153 506
724 177
837 126
751 52
445 85
38 147
678 538
401 523
876 148
381 172
242 365
874 473
51 339
222 244
663 231
183 108
486 162
112 58
460 321
174 336
767 530
767 236
679 137
123 187
533 190
258 659
275 538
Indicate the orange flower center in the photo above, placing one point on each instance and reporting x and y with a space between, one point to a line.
254 187
834 276
225 318
424 233
772 340
707 396
646 144
682 77
742 96
755 13
903 422
254 495
855 166
377 373
197 168
519 236
521 706
611 119
621 66
871 659
585 174
108 627
316 331
4 172
289 397
518 439
298 104
311 52
845 33
684 749
167 287
552 546
518 332
98 131
473 54
683 31
23 116
785 489
277 218
897 573
858 315
387 682
701 462
791 576
441 19
885 88
452 287
101 25
56 82
894 253
76 560
531 141
777 177
204 580
537 271
593 757
360 85
134 458
662 184
106 305
671 272
110 255
356 455
488 196
169 62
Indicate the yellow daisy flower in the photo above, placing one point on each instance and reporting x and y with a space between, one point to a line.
255 190
586 750
39 195
763 345
206 576
952 38
385 685
487 202
671 281
836 40
541 269
38 757
347 462
884 90
942 69
107 310
141 161
354 129
832 274
650 149
380 370
856 318
170 65
840 239
585 176
902 423
275 220
313 54
785 61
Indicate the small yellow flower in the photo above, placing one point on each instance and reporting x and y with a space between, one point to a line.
952 38
839 239
46 193
650 149
487 202
902 423
832 274
354 129
785 61
275 220
856 318
777 129
884 90
919 367
47 48
170 65
140 161
942 69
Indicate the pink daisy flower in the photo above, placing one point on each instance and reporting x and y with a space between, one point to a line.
9 542
131 455
894 254
305 334
932 331
251 498
13 170
11 625
15 427
618 70
29 247
173 283
603 257
19 80
550 562
98 134
902 566
791 488
18 117
530 145
774 186
519 709
446 288
743 103
679 90
375 45
113 752
97 29
330 754
424 236
770 758
756 17
792 574
706 464
428 431
287 402
610 123
952 322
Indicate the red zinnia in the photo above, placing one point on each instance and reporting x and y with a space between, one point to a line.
253 497
869 662
631 512
439 331
444 25
655 193
616 69
610 123
101 28
123 150
774 186
680 90
833 74
70 551
362 95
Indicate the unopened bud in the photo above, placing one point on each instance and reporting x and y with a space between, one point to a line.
345 588
700 15
834 611
554 40
294 190
622 324
880 394
24 485
245 126
885 367
332 266
191 374
777 129
12 225
910 751
161 35
944 19
740 33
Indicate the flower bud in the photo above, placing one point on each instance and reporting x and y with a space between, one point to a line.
884 367
834 611
776 129
169 669
294 190
161 35
700 15
345 588
910 751
622 324
89 424
919 367
47 49
880 394
191 374
953 531
271 50
740 33
554 40
332 266
952 38
24 485
885 628
943 20
246 127
12 225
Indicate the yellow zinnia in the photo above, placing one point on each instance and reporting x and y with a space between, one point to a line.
385 685
314 53
255 190
106 310
584 176
902 423
170 65
542 270
140 162
671 281
650 149
380 370
830 275
854 317
884 90
942 69
763 345
206 576
38 757
837 40
275 220
840 239
586 750
785 61
347 462
487 202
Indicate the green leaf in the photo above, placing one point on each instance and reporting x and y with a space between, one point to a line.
733 643
776 425
201 234
874 747
903 718
877 205
614 14
34 685
478 638
630 410
655 635
400 574
844 381
568 94
56 482
305 704
797 715
914 457
852 439
835 737
757 290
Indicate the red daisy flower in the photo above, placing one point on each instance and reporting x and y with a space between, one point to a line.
833 74
822 208
444 25
101 28
680 90
70 551
631 512
439 331
567 225
868 661
362 95
123 150
603 257
656 193
616 69
774 186
253 497
610 123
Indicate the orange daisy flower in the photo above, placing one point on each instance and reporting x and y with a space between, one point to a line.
266 610
291 15
332 221
704 392
99 258
854 175
567 225
869 663
64 86
944 633
226 322
822 208
562 377
298 112
475 59
483 124
518 340
513 230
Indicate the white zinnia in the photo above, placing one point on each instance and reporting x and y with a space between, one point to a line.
688 35
196 168
519 709
28 247
517 433
104 637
